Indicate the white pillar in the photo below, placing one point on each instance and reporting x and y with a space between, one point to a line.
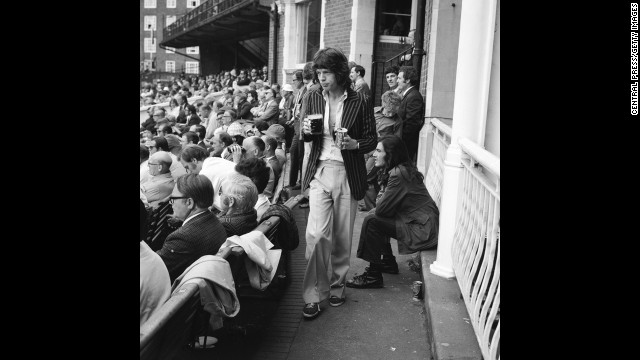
361 35
473 72
289 48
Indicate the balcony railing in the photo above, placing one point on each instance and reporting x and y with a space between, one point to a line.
201 14
476 244
441 138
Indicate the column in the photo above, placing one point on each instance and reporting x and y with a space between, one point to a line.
473 72
363 14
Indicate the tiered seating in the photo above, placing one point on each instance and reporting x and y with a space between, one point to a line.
177 322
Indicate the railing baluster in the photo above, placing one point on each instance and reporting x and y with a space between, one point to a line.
476 244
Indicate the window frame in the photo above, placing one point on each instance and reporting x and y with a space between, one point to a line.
174 4
147 46
186 67
197 3
166 65
155 22
150 4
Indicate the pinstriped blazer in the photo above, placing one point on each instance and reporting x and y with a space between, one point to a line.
357 118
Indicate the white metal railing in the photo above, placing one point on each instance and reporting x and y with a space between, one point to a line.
435 171
476 245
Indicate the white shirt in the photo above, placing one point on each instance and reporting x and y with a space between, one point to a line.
155 284
217 169
328 148
262 205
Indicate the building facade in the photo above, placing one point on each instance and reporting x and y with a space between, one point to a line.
154 16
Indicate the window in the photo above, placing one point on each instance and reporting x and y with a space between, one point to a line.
149 4
313 29
171 19
192 3
394 17
148 65
193 50
170 50
191 67
170 66
171 4
150 20
149 45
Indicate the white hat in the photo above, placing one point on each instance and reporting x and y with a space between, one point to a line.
287 87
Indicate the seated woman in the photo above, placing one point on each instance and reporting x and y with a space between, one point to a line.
405 211
238 198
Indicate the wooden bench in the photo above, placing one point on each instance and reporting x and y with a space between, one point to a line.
177 323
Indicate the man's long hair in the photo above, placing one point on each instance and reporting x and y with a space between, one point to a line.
333 60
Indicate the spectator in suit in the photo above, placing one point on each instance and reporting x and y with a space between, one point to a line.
357 77
243 106
296 150
271 112
192 117
155 286
201 232
286 113
336 177
411 110
405 211
159 184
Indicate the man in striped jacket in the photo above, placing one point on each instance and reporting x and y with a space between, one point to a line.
336 178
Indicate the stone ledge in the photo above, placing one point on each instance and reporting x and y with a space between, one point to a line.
449 330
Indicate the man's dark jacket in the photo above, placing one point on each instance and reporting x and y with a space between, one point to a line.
202 235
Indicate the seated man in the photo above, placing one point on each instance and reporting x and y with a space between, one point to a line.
196 160
155 286
201 232
158 186
219 142
238 196
253 147
159 143
258 171
277 132
270 157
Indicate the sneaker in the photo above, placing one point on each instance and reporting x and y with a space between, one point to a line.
336 301
367 280
311 310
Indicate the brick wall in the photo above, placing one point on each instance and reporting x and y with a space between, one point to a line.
426 37
338 25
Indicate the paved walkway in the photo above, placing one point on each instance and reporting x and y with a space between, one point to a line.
372 324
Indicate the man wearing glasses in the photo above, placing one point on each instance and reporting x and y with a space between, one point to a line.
201 232
158 186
